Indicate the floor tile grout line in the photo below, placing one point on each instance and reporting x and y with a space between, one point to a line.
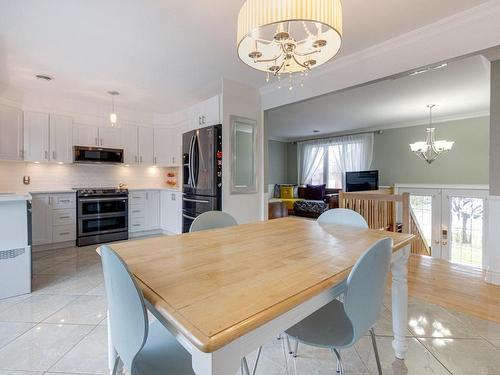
71 348
437 359
33 325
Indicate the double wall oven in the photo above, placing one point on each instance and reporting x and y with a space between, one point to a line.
102 215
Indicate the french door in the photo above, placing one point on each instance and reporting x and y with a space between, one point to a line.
452 221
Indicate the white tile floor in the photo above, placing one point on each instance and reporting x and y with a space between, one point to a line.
61 329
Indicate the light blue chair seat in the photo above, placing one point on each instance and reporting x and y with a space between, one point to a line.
162 354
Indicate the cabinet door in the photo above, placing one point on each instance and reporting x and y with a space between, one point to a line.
130 144
163 146
42 219
171 212
110 137
210 111
85 135
176 153
146 146
36 136
61 138
152 209
11 133
194 117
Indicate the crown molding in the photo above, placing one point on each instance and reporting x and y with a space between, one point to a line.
467 32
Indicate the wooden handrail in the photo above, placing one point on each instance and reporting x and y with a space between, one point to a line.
380 211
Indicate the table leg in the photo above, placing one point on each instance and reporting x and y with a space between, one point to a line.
399 268
225 361
111 349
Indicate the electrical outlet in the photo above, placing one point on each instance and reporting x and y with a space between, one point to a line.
26 180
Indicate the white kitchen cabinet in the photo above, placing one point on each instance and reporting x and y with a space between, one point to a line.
205 113
11 133
144 210
85 135
36 136
145 146
130 144
167 146
54 218
171 211
110 137
42 221
152 206
61 138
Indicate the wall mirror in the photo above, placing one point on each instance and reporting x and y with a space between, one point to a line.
243 155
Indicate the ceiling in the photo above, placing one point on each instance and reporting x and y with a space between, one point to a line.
162 55
461 89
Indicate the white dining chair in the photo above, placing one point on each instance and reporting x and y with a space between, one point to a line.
212 220
143 348
339 325
343 216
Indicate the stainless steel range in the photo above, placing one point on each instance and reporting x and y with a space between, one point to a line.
102 215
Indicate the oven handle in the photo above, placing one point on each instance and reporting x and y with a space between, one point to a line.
86 200
102 216
194 200
188 217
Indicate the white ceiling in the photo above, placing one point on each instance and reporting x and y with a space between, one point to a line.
162 55
461 89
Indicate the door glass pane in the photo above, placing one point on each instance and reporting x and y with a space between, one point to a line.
422 208
466 230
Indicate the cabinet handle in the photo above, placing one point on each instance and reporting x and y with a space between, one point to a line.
101 141
173 159
141 158
64 217
147 195
46 155
199 120
136 211
96 142
54 155
135 158
63 233
173 197
155 160
136 225
65 200
203 117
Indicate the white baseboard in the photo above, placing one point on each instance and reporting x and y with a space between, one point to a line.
492 254
145 233
492 277
53 246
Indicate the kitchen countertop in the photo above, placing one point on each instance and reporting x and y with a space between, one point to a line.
10 197
65 191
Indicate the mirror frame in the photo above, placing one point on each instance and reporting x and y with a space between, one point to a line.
236 189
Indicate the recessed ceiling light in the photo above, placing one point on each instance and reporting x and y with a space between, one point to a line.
44 77
315 131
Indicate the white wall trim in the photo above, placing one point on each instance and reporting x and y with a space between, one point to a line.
492 261
442 186
464 33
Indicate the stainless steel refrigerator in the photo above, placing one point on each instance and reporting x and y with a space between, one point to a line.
202 173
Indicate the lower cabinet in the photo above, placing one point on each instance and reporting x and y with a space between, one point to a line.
144 210
171 211
54 218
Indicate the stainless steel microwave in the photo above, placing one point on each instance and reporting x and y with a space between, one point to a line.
97 155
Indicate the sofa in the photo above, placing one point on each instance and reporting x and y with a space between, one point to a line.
301 202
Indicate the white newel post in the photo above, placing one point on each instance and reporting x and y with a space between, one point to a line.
399 269
492 242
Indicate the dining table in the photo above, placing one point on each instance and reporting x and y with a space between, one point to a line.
225 292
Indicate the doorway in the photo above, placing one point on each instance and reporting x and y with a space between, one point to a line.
452 221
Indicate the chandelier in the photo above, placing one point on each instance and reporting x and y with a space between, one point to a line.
430 149
289 37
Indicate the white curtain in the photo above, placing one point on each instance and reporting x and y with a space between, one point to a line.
351 153
310 156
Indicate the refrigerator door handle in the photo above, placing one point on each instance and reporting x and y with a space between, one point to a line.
191 176
196 161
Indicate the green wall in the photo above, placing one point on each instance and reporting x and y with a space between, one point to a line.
467 163
282 162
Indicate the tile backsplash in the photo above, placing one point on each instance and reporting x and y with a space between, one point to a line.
67 176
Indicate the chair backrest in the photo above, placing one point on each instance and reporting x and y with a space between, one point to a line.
211 220
343 216
128 319
365 288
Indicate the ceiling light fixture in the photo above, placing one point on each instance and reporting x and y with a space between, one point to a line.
113 117
289 37
430 149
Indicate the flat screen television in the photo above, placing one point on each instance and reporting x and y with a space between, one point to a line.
361 181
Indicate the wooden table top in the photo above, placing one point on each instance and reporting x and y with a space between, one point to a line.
216 285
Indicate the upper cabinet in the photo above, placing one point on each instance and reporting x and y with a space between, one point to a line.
11 133
146 146
47 137
130 145
61 138
167 146
93 136
205 113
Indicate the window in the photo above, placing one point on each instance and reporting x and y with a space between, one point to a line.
328 171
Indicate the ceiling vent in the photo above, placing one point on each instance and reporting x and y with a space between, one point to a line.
44 77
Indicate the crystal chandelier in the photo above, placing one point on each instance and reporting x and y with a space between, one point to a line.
430 149
289 37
